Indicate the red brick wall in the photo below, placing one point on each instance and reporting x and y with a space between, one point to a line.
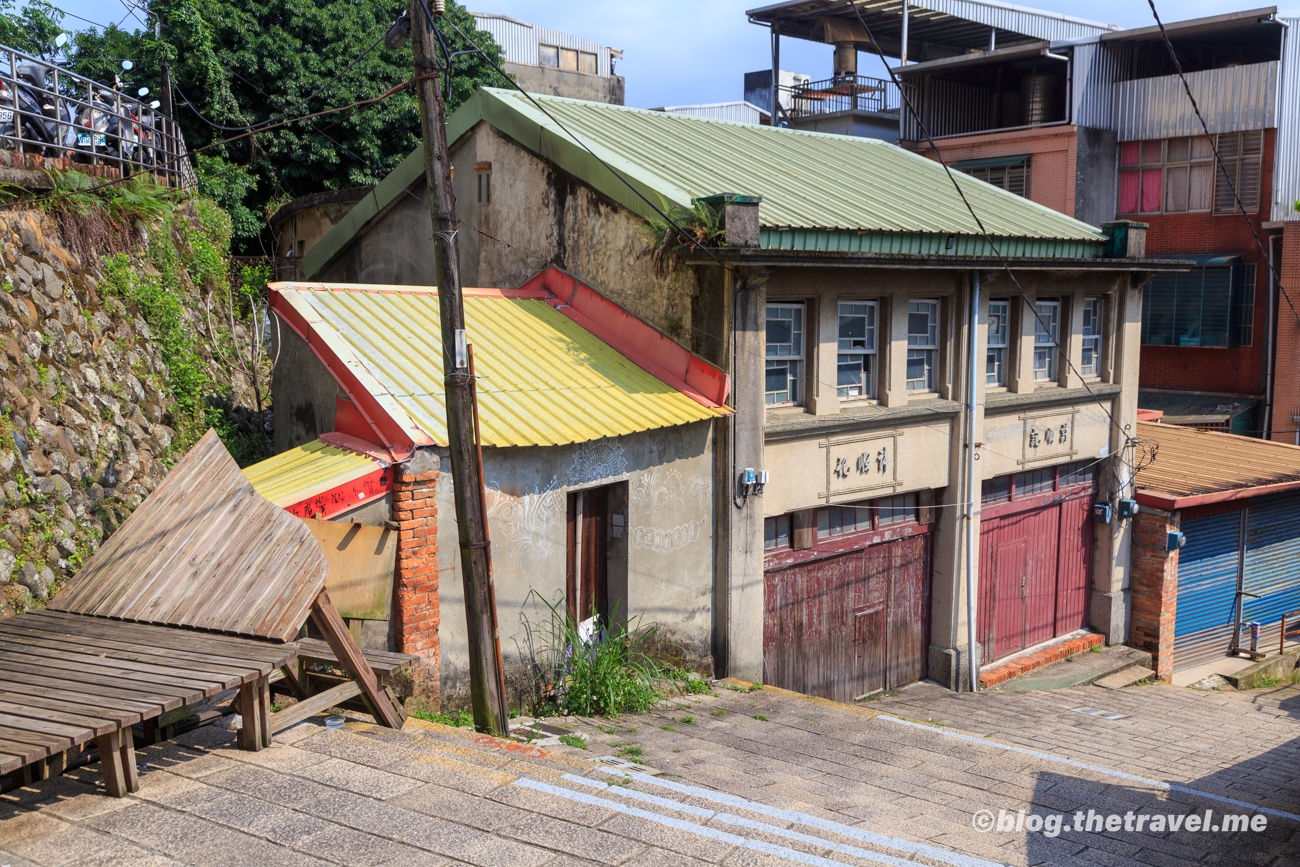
1154 589
1236 370
1286 381
1054 154
415 603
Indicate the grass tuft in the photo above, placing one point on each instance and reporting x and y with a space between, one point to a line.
573 741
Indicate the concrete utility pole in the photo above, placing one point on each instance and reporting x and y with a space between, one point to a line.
487 683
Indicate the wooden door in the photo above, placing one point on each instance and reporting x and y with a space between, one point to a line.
588 559
1010 577
847 625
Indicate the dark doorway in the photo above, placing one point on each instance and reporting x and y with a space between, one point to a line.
587 590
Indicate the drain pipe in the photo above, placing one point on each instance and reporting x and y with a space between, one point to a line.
971 503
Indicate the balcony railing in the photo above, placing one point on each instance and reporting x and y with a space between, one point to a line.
51 111
846 93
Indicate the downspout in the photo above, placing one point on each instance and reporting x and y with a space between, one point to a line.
776 75
972 515
904 47
1269 338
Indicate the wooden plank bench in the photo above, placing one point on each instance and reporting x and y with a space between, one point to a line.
74 678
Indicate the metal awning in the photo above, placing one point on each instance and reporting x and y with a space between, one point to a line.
978 58
1205 260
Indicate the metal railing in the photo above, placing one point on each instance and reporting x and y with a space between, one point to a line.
846 93
51 111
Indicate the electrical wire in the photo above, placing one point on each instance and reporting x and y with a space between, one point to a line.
1214 146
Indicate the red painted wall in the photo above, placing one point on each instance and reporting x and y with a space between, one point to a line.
1236 370
1286 383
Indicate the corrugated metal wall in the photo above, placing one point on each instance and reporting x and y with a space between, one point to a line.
948 108
1041 25
519 41
1095 70
1272 561
1286 171
738 112
1204 611
1231 98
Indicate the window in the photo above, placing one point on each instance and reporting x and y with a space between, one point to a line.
838 520
1047 338
484 182
1206 306
996 490
1004 489
1034 481
1178 175
548 55
784 353
1010 176
587 62
999 328
1090 364
1241 153
776 532
897 510
865 515
922 344
569 59
1077 473
855 371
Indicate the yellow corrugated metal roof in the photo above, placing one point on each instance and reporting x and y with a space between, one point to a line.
542 378
1200 464
293 476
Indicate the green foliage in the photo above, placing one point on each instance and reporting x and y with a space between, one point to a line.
247 61
687 720
459 719
608 675
760 717
669 729
700 226
573 741
609 730
31 29
719 712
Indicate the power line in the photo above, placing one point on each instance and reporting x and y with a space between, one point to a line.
1214 146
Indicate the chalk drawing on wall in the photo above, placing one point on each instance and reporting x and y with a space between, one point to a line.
533 520
664 494
595 461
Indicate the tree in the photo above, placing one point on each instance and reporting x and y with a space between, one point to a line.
240 62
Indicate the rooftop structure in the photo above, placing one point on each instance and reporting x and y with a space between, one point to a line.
543 60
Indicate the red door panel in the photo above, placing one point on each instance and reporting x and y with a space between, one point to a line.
1075 570
1044 537
1010 562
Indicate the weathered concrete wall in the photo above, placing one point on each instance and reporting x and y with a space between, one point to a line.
551 81
861 124
299 224
303 389
669 540
1094 185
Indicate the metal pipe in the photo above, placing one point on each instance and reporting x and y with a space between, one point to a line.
776 74
904 50
972 505
1268 341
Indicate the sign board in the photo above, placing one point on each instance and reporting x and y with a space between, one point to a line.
861 464
361 560
1048 437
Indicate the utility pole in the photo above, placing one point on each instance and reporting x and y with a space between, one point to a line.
487 683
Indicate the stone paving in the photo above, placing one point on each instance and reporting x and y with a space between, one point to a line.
748 778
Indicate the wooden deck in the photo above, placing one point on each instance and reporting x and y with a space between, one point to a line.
72 678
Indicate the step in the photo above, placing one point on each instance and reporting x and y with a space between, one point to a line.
1083 669
1125 677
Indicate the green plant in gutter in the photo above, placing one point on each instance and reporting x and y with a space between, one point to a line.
697 226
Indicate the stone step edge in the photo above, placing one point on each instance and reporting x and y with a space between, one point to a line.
1002 673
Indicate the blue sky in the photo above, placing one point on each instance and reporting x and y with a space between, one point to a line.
679 52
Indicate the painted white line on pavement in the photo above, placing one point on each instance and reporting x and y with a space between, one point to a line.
923 849
702 831
1110 772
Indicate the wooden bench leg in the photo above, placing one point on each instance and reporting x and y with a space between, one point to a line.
110 763
255 709
130 773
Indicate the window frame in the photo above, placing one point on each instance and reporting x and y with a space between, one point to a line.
1237 327
1007 488
795 361
1092 338
1049 351
997 379
867 356
1013 177
1239 154
545 51
928 351
1242 154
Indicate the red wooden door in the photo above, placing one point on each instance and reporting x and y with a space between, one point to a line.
1075 569
846 625
1043 531
1010 574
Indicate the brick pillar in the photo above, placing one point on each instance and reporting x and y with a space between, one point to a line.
415 602
1154 588
1286 375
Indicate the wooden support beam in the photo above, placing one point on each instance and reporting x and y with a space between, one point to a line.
130 773
349 655
296 713
251 725
110 763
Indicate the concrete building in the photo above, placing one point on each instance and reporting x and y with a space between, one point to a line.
547 61
1093 121
597 437
299 224
847 305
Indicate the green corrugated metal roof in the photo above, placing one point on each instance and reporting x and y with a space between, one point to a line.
836 189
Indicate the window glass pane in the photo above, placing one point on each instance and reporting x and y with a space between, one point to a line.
776 532
1242 313
1176 189
1046 338
1130 188
853 376
897 510
1151 190
1200 187
782 382
569 59
1201 149
1151 152
588 61
1128 153
923 324
997 490
995 367
548 55
1177 150
996 360
784 331
920 370
1078 473
857 327
1034 482
1090 362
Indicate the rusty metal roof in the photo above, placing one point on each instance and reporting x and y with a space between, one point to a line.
310 469
543 379
204 550
1194 467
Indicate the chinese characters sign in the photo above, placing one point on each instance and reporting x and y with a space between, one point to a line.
1048 436
859 464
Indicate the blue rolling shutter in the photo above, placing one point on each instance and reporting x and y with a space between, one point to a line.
1207 589
1272 562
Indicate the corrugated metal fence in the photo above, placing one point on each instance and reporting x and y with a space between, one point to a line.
519 41
1286 171
1230 98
